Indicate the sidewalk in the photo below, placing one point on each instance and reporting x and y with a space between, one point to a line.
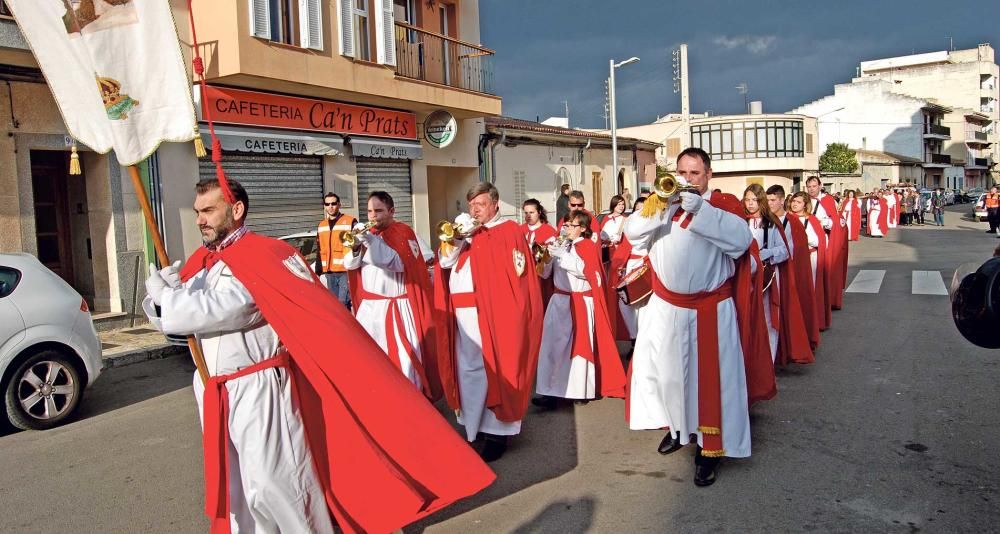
126 346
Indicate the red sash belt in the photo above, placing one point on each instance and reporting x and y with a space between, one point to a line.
463 300
394 329
705 305
581 323
215 440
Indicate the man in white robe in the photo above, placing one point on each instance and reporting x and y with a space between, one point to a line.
383 295
273 486
692 247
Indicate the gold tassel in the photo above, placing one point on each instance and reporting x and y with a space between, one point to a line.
199 144
74 162
713 453
710 430
653 205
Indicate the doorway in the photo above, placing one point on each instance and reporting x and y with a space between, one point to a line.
49 170
595 201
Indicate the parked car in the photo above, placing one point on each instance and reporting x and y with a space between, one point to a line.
305 243
979 208
49 349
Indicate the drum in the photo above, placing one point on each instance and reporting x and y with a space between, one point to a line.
637 285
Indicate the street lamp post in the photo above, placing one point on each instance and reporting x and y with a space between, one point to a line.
614 125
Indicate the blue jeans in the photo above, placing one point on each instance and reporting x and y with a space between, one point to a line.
337 284
939 217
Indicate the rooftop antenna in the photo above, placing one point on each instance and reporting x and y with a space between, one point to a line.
566 103
744 90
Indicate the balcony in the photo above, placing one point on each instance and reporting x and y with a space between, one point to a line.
936 131
436 58
981 162
980 136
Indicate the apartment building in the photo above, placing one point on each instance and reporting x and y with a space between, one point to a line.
86 228
348 96
763 148
960 79
871 116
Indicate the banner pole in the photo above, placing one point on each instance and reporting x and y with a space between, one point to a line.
161 254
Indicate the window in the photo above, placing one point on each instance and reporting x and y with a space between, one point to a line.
291 22
362 46
4 10
752 139
9 278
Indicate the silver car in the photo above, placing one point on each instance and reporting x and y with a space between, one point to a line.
49 349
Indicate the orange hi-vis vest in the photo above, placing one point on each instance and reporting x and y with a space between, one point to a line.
992 201
331 250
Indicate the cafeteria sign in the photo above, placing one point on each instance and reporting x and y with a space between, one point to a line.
440 128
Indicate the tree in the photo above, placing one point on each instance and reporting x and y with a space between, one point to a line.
838 158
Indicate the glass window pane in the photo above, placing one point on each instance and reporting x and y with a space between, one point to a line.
770 139
727 142
788 138
737 141
751 142
761 139
716 142
779 139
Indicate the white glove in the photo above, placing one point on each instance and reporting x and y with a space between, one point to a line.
691 202
766 255
155 285
172 274
826 224
558 251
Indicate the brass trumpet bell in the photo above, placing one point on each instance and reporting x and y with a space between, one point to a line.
350 239
667 186
448 231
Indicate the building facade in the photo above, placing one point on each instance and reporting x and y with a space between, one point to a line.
342 96
764 148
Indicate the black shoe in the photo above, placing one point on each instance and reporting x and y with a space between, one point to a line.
990 232
704 469
493 448
545 402
669 444
581 402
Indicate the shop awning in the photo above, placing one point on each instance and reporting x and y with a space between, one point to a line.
273 141
368 147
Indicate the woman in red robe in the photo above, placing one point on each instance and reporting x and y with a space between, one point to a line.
800 206
850 211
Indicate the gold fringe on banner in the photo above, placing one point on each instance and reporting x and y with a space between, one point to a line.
653 205
199 144
74 161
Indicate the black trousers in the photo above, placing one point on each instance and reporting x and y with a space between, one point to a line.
993 216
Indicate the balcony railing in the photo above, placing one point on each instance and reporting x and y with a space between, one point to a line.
979 136
981 162
941 158
437 58
937 129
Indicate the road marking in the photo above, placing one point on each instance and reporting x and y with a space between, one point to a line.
928 283
866 282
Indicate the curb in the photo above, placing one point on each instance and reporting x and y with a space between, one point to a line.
155 352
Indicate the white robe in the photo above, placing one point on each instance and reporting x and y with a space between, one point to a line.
778 253
664 382
874 212
382 274
813 239
272 481
611 230
560 373
471 371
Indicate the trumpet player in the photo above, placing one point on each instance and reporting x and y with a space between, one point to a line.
579 359
330 260
688 373
494 321
391 290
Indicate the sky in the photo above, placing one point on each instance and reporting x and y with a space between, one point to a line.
789 53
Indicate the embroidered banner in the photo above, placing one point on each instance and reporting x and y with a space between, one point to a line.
115 69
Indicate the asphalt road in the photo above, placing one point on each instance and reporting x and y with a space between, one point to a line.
891 430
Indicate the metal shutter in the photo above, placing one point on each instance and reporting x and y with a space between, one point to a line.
285 191
390 175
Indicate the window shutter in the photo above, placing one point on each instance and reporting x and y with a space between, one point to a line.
346 25
809 143
385 30
260 19
310 24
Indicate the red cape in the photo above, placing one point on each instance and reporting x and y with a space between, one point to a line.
510 320
821 290
883 215
607 361
748 295
836 255
361 415
895 209
793 337
855 216
804 278
619 260
420 296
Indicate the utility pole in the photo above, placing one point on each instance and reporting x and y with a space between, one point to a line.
607 98
744 90
680 64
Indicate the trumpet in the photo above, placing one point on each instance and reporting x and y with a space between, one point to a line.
667 186
448 231
542 257
350 239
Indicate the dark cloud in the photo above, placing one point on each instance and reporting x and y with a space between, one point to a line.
788 52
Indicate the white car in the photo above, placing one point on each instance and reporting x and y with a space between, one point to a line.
979 208
49 349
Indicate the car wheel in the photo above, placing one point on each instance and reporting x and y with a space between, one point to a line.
43 392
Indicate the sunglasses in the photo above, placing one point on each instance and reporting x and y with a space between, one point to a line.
575 205
331 203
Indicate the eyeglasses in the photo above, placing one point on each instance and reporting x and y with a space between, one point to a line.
573 225
331 203
572 205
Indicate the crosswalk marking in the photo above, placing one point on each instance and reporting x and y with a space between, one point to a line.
928 283
866 282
